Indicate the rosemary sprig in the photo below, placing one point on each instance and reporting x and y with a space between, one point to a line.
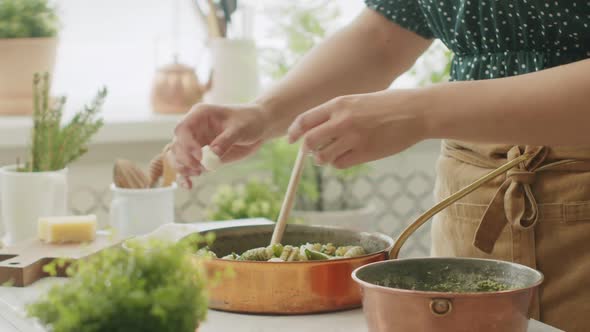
54 146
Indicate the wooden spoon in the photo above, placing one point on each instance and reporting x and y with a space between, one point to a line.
289 199
156 169
128 175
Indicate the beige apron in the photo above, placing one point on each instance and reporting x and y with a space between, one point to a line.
538 214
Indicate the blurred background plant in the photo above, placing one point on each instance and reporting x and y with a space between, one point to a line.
434 66
254 199
27 19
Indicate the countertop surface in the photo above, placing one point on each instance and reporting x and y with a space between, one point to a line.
13 300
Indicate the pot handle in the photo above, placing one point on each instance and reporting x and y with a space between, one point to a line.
394 252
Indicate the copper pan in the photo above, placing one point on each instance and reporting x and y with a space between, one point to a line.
290 287
406 309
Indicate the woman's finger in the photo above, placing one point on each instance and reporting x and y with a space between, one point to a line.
307 121
185 182
334 150
183 136
183 158
322 136
348 159
222 143
185 171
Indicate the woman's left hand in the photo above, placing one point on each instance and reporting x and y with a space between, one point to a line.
355 129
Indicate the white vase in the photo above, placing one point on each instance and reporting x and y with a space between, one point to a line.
137 212
235 71
26 196
20 59
355 219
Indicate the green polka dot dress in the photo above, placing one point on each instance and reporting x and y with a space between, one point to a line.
497 38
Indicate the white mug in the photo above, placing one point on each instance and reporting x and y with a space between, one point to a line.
140 211
235 71
26 196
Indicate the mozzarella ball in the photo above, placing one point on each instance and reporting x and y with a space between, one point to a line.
209 159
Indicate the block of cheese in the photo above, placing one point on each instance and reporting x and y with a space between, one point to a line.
67 229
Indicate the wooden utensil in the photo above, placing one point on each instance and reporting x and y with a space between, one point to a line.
22 264
156 169
394 253
289 199
127 175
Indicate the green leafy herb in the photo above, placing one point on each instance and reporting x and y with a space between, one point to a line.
54 145
27 19
153 287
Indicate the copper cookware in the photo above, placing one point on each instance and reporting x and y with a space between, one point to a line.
400 308
396 309
290 287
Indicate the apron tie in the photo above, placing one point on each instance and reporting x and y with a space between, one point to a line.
514 201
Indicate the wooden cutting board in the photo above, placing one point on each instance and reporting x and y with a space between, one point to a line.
22 264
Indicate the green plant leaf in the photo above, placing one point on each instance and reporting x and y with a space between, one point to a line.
54 146
155 286
27 19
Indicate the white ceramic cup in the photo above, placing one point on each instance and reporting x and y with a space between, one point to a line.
235 71
26 196
140 211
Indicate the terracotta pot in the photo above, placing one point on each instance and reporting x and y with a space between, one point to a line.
20 59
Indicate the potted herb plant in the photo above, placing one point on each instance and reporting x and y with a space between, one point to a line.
28 44
147 287
38 187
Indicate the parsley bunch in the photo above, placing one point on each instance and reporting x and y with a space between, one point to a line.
157 287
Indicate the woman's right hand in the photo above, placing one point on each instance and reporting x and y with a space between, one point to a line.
232 132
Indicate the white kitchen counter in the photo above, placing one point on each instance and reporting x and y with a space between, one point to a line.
13 300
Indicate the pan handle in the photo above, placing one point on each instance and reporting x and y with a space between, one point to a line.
394 253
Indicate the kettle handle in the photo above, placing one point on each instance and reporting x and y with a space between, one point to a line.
394 253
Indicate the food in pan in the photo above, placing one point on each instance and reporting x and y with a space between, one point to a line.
449 282
289 253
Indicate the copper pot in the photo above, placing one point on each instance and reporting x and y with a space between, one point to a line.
290 287
399 309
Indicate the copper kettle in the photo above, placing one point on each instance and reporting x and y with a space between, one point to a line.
176 88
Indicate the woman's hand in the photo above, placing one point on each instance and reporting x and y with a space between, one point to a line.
354 129
232 132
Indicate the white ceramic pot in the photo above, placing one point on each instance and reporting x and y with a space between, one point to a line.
356 219
235 71
20 59
26 196
137 212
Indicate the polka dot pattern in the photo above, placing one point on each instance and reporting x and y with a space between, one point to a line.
492 38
